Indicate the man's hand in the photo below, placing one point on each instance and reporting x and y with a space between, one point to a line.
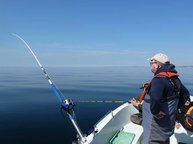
134 102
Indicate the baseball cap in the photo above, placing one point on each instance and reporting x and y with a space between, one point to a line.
160 57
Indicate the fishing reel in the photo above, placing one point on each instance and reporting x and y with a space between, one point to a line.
68 105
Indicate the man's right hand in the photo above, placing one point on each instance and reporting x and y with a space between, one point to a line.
134 102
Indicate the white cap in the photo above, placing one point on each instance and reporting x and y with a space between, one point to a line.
160 57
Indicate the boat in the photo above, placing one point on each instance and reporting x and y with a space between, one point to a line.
116 128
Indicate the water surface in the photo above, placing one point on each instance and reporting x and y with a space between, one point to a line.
30 112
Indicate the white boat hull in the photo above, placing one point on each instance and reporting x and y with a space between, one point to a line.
119 119
110 124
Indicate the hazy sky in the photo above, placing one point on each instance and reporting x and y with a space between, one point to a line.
95 32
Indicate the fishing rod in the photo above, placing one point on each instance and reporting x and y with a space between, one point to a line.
66 104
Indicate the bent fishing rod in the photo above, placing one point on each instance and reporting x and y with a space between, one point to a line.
66 104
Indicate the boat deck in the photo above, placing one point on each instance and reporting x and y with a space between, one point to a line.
180 135
118 122
135 129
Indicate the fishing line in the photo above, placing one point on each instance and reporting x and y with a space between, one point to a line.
101 101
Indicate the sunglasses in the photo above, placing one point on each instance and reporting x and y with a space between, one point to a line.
152 62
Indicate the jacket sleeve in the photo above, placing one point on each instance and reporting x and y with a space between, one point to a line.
156 93
184 96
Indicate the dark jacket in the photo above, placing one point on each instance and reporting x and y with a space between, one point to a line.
157 100
161 89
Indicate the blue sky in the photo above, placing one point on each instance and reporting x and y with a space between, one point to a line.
96 32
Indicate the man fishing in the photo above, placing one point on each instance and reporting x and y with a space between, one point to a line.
165 94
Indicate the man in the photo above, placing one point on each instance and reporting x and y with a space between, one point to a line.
161 102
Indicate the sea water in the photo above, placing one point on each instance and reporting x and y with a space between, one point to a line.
30 112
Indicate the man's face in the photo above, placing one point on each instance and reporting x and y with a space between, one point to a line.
153 66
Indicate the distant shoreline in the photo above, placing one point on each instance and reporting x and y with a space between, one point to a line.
186 66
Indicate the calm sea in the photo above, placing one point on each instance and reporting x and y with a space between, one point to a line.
30 112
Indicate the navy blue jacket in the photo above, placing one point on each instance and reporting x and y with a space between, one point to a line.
162 88
159 130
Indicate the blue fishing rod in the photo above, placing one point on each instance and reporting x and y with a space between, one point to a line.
66 104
